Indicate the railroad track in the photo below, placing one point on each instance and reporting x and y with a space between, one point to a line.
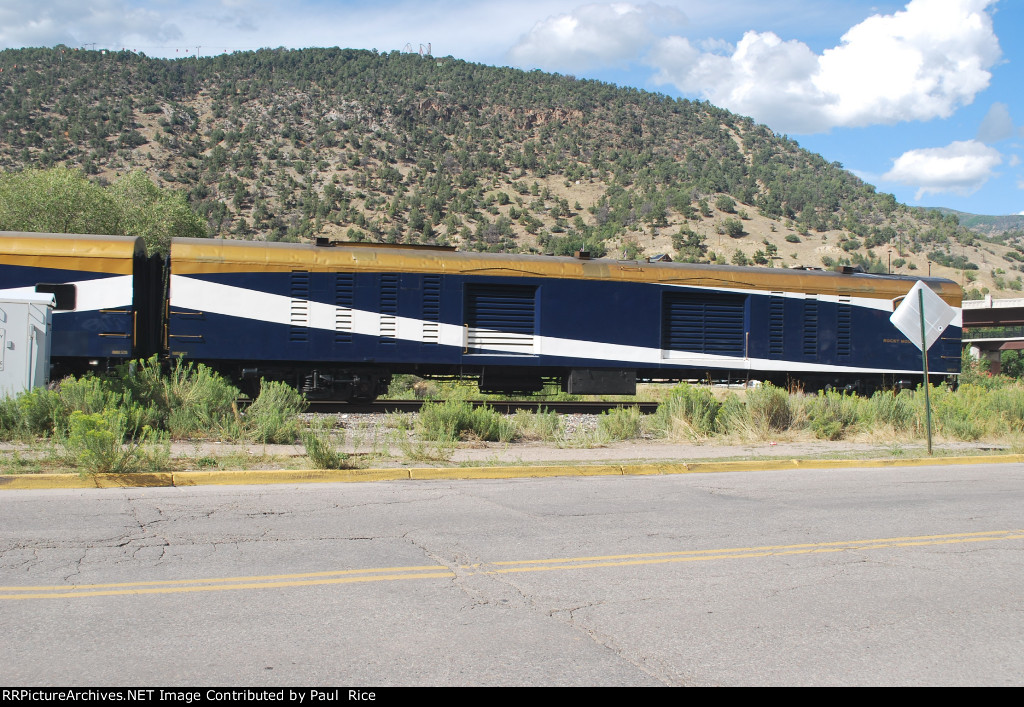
502 406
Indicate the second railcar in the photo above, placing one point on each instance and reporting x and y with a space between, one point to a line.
338 321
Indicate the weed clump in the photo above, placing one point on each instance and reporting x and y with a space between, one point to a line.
688 411
769 408
452 420
318 439
544 425
273 416
620 423
832 414
105 443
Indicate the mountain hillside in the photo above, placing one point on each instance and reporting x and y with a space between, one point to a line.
356 145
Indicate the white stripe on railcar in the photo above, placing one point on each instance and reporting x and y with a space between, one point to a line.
90 295
227 300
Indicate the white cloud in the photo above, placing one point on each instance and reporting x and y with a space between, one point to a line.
591 36
107 23
764 77
920 63
960 168
997 124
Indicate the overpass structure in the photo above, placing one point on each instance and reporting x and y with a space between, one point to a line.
991 326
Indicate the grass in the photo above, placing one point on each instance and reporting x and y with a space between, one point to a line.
452 420
320 442
124 423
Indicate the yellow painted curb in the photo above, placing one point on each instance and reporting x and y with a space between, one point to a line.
514 472
284 476
74 481
295 476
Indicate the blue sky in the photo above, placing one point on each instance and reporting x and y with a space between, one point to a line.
918 97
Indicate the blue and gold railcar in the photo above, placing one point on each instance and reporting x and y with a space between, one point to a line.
340 320
107 293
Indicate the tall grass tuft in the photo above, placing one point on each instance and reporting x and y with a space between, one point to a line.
896 411
103 442
832 414
318 439
689 412
963 414
452 420
620 423
195 400
544 425
273 416
769 409
34 413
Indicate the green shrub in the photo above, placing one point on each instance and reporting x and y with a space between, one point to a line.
195 400
10 419
88 394
896 411
832 414
620 423
543 425
273 416
960 415
191 400
769 409
733 227
688 410
34 413
733 415
455 419
443 421
96 443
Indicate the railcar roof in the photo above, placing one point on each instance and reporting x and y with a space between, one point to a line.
199 256
64 251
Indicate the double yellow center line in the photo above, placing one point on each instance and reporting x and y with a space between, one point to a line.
390 574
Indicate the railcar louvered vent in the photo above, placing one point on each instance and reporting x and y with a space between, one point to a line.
344 287
810 349
501 318
388 309
709 323
776 314
298 330
431 308
844 326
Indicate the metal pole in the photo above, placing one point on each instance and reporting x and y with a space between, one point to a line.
924 361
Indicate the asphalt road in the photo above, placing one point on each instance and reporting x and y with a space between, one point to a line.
906 576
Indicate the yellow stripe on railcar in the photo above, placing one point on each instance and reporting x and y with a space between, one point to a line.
86 253
199 256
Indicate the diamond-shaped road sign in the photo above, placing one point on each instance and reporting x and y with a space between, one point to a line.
937 316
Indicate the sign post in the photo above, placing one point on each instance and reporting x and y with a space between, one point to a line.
922 317
927 386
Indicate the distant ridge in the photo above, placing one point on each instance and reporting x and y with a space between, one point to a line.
986 225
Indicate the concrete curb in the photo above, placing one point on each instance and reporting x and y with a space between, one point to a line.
300 476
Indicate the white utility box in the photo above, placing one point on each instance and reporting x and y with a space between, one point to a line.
25 328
